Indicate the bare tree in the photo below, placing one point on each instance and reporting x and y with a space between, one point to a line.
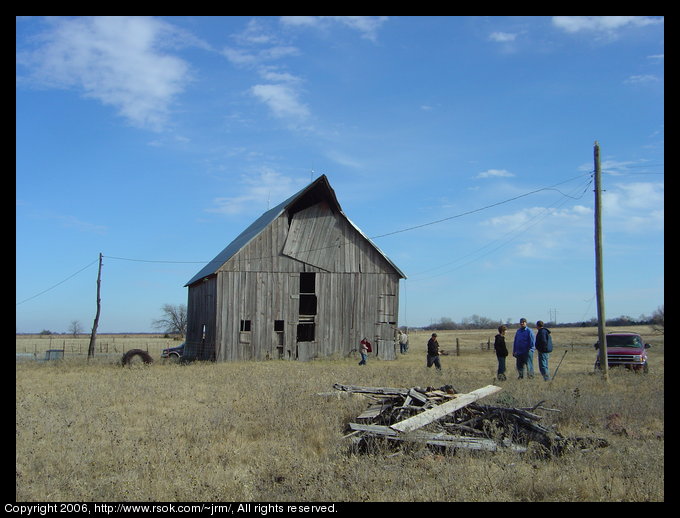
75 328
657 319
174 319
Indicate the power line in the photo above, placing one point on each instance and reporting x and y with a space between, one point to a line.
552 187
61 282
507 238
156 261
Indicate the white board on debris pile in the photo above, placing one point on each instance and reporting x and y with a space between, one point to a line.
426 417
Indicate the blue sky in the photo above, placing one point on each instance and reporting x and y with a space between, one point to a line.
463 146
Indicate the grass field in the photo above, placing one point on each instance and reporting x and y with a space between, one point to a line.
260 431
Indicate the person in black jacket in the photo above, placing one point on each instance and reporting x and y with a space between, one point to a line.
501 352
544 347
433 352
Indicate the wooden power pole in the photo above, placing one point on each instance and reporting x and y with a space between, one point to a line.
599 282
93 336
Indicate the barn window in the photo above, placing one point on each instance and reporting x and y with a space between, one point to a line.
307 282
279 332
307 306
244 335
386 308
305 332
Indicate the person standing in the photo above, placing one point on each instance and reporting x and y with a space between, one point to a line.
501 352
403 342
433 352
530 358
523 343
544 347
364 350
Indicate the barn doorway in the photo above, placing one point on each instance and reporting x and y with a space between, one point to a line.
307 307
306 327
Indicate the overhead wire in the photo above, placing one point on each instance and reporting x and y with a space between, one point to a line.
59 283
510 235
552 187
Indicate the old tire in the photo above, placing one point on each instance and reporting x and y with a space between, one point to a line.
128 356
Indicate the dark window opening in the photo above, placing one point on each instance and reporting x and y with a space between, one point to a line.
305 332
307 282
245 325
307 305
279 333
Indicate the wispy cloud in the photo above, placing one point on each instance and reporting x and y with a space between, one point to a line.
641 79
261 190
502 37
240 56
632 209
606 24
282 100
495 173
71 222
367 26
263 48
120 61
635 207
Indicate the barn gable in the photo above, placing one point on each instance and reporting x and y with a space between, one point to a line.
315 203
302 281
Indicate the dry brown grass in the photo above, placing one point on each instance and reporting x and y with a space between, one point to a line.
96 431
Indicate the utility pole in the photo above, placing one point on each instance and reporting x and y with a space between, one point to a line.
93 336
599 282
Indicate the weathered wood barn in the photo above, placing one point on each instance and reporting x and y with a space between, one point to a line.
301 282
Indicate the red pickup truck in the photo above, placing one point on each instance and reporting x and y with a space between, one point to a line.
625 349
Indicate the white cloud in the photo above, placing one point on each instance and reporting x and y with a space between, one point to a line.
272 74
495 173
343 159
71 222
259 46
116 60
632 208
608 24
256 33
641 79
263 190
282 100
502 37
366 25
239 56
635 207
541 232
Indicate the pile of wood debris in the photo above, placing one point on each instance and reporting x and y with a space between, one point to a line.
444 419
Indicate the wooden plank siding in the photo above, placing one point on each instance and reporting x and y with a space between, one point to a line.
356 289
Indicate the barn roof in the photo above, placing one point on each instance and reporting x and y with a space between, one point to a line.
319 190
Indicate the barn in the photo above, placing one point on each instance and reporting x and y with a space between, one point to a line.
301 282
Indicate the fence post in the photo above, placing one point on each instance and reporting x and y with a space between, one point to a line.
457 347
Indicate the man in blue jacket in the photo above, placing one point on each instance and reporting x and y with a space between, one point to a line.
544 347
524 343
